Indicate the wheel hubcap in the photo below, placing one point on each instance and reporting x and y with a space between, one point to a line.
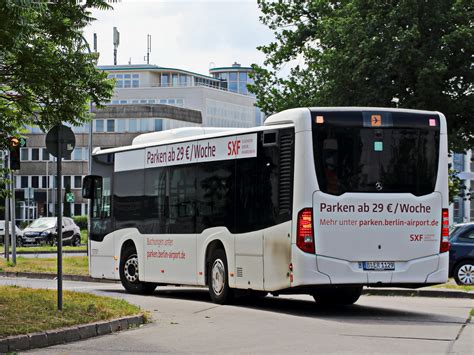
218 277
466 274
130 269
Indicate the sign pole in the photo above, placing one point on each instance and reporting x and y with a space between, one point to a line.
6 238
13 212
60 224
60 142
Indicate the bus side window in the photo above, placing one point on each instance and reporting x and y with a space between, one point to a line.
102 199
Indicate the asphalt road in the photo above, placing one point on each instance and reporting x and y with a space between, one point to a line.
186 321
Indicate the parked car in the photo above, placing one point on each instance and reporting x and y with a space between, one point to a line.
44 231
18 232
461 254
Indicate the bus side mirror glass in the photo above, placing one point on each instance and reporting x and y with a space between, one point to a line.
90 184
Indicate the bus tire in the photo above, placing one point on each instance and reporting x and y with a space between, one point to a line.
218 281
338 295
129 275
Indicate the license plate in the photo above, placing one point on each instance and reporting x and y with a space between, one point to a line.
378 265
30 240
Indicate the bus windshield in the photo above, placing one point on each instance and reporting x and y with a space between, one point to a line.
389 152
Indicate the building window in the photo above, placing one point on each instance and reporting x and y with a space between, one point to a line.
158 125
24 181
243 88
233 86
164 79
44 154
35 154
110 125
132 125
242 76
183 80
127 83
77 154
119 81
35 181
45 182
144 125
24 154
67 182
121 126
77 209
77 182
175 79
458 161
99 125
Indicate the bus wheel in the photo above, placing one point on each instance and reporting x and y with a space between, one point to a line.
129 274
217 278
338 296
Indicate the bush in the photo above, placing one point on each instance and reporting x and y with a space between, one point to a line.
81 221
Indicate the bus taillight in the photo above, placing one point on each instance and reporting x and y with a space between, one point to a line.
305 236
444 245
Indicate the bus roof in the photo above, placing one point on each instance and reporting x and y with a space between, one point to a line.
182 135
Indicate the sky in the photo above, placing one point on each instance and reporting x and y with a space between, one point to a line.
193 35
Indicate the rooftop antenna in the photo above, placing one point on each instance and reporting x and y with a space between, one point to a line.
116 43
148 50
95 42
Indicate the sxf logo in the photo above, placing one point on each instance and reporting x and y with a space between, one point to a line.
416 237
233 147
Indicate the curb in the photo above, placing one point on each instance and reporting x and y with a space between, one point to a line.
371 291
67 335
28 252
441 293
46 276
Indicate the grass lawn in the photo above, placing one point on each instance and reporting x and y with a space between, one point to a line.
453 286
39 310
84 236
72 265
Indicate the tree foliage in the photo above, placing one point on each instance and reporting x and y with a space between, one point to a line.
47 75
414 53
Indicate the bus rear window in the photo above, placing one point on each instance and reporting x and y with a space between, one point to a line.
391 152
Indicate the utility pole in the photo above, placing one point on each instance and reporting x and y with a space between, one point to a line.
116 43
148 50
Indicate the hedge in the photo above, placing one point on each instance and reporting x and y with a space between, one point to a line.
81 221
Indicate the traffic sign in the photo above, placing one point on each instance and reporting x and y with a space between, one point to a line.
69 197
66 138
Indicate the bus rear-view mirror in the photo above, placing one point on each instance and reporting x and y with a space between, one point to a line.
90 184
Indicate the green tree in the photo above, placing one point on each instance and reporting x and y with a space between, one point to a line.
47 75
414 53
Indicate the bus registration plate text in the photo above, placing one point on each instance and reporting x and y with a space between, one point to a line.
378 265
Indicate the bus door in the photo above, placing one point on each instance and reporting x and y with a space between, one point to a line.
100 217
377 207
170 218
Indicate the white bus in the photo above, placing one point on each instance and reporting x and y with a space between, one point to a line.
320 201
